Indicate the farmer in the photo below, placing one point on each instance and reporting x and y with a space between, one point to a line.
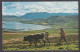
62 33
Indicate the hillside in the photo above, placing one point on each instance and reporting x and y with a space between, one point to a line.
38 15
69 20
13 18
58 21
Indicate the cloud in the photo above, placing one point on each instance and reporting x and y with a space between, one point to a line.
21 8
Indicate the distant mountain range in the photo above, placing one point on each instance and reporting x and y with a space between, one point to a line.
57 21
53 19
38 15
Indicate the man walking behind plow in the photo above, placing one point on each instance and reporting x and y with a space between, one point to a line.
63 37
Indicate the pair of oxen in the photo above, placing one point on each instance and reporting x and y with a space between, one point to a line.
35 38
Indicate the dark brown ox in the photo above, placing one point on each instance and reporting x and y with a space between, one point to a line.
37 37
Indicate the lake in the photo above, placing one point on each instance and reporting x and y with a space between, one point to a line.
13 25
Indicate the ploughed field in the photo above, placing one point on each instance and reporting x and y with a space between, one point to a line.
15 43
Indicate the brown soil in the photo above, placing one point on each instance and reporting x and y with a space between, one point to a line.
9 41
16 33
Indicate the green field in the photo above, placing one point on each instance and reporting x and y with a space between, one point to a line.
14 42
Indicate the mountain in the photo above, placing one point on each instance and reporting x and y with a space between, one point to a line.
38 15
9 16
53 19
12 18
57 21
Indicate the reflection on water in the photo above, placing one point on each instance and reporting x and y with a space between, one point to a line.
13 25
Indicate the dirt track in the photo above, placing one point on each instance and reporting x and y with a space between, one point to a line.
9 41
15 33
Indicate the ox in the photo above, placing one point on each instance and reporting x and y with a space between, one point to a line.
37 37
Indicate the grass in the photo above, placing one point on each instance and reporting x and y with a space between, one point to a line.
24 45
20 45
52 32
8 37
53 46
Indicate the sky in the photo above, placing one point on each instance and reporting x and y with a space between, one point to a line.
21 8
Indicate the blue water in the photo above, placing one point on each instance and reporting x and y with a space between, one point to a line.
13 25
